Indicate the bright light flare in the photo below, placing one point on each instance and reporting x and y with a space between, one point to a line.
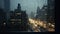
40 23
45 26
53 26
4 23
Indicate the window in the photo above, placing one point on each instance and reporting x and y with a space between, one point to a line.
45 7
12 19
4 23
19 22
18 13
19 19
12 22
51 7
45 13
15 19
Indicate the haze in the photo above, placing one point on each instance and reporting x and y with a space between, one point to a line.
28 5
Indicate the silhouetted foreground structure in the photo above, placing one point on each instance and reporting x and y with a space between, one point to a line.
51 11
5 5
2 20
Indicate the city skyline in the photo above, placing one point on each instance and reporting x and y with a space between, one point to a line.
28 5
14 16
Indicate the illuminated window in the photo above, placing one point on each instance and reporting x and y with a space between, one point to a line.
12 19
18 13
15 19
45 13
19 19
4 23
12 22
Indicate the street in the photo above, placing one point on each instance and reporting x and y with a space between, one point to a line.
40 26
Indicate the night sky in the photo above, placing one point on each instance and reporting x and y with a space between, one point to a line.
28 5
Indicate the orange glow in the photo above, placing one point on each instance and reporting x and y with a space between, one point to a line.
40 23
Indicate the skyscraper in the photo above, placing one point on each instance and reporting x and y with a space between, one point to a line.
2 20
2 4
5 4
38 12
51 11
19 7
44 13
18 20
7 8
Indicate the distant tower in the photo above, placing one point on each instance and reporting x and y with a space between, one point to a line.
38 9
19 7
38 12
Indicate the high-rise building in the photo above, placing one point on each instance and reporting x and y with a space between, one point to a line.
5 4
44 13
18 20
51 11
7 9
38 12
2 20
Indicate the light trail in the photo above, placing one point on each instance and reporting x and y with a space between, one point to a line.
40 23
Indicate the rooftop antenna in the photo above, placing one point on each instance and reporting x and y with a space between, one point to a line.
19 6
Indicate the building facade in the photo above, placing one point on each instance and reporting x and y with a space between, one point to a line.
18 20
2 20
42 13
38 13
51 11
5 5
